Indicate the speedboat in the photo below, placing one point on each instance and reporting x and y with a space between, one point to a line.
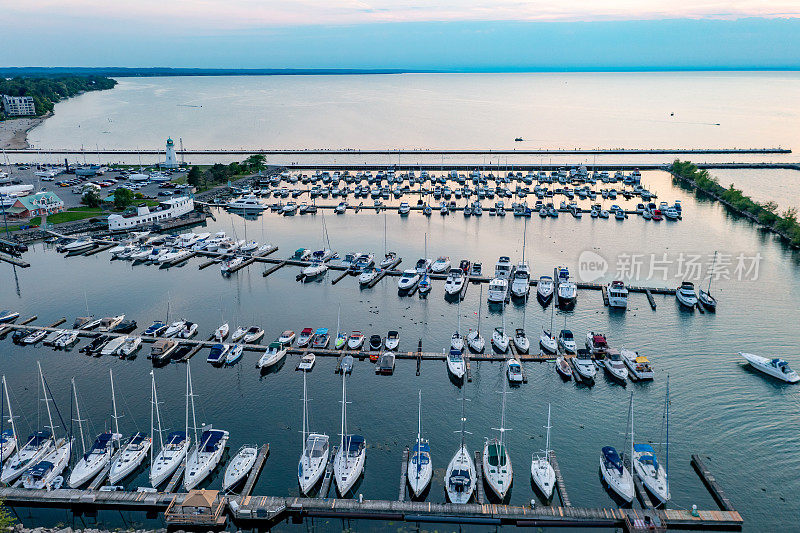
130 345
286 338
408 280
239 334
67 339
616 476
234 354
617 294
513 371
615 366
567 289
521 341
498 289
169 458
189 330
686 295
316 268
7 316
475 341
305 337
454 282
78 245
355 341
563 368
204 457
584 365
392 340
638 365
239 467
596 343
221 333
544 289
548 342
93 461
108 323
650 472
113 345
229 266
37 446
175 328
274 353
156 329
385 363
218 353
521 284
500 340
456 365
45 474
307 362
321 339
131 456
367 275
777 368
424 285
404 208
34 336
388 259
442 264
375 342
254 333
423 265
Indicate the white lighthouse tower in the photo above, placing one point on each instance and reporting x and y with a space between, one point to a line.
172 160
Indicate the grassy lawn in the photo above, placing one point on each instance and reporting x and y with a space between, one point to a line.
76 213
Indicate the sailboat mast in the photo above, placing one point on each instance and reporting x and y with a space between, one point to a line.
344 413
47 403
187 400
631 415
10 412
502 428
524 235
191 396
463 418
547 440
384 234
711 274
666 409
338 314
459 316
305 407
114 402
480 304
78 410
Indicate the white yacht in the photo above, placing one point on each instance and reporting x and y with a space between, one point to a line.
503 267
777 368
514 371
584 365
454 282
274 354
638 365
316 268
686 295
348 465
442 264
548 341
420 467
44 474
408 280
456 365
567 289
521 341
460 477
173 451
498 289
616 476
521 284
99 455
654 475
617 294
497 469
250 202
239 467
205 456
315 454
37 446
566 341
615 366
542 473
131 456
544 289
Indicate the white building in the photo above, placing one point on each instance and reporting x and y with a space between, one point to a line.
17 106
142 215
172 160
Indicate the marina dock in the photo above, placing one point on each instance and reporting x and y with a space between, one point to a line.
263 453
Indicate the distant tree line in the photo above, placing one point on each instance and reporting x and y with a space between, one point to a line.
766 214
219 173
46 91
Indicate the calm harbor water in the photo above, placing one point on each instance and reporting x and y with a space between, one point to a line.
746 424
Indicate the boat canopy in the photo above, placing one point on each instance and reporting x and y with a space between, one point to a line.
307 331
422 447
275 346
101 442
210 439
40 469
599 340
497 454
36 439
648 454
316 445
355 443
322 331
138 439
642 360
612 458
567 334
175 438
460 480
6 435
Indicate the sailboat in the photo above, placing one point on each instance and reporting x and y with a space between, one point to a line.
547 340
497 469
97 457
388 257
134 452
521 340
207 451
36 446
459 479
499 337
521 284
349 461
420 467
8 437
616 476
474 338
172 453
542 471
708 301
46 473
315 451
457 341
341 338
652 474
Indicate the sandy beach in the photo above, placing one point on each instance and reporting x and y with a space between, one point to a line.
14 132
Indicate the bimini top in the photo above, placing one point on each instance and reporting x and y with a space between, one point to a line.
101 442
322 331
648 454
36 439
175 438
211 438
355 443
40 470
567 334
138 439
421 447
612 458
6 435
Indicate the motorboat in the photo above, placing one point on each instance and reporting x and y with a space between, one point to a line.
221 333
355 341
514 371
307 362
520 285
368 275
156 329
423 265
126 326
130 457
385 363
567 289
129 346
563 367
78 245
615 474
218 353
93 460
388 259
316 268
442 264
456 365
615 366
454 282
254 333
542 473
239 334
617 294
584 365
174 329
425 285
548 341
275 353
460 476
286 338
162 349
777 368
108 323
348 464
316 451
500 340
566 341
375 342
686 295
408 280
498 290
596 343
392 340
34 336
8 316
251 202
46 473
638 365
234 354
113 345
544 289
189 330
204 457
404 209
475 271
321 339
419 470
241 465
66 340
229 266
304 338
521 341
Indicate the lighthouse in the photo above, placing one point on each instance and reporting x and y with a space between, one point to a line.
172 160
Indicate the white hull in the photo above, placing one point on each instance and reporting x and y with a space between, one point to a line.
654 481
543 476
522 344
347 470
239 467
200 464
88 467
419 477
59 457
500 342
456 368
24 458
311 469
499 477
621 484
167 461
476 343
762 364
128 460
460 461
270 359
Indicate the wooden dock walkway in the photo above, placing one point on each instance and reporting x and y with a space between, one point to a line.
479 492
560 485
176 477
401 496
711 484
14 260
641 494
327 478
8 328
263 453
274 268
650 298
103 474
384 272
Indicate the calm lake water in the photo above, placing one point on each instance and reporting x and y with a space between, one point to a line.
746 424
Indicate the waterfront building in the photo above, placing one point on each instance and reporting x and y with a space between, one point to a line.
142 214
36 205
171 160
18 106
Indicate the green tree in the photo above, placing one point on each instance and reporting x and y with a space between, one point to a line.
218 173
195 177
91 198
6 520
255 163
123 198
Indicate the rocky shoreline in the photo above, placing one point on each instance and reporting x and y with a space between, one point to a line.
14 132
19 528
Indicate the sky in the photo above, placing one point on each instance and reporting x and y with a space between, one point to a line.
412 34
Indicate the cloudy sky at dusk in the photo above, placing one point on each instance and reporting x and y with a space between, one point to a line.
439 34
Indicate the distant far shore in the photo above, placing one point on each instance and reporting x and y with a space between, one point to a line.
14 132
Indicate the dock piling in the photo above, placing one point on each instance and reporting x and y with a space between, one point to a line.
403 473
